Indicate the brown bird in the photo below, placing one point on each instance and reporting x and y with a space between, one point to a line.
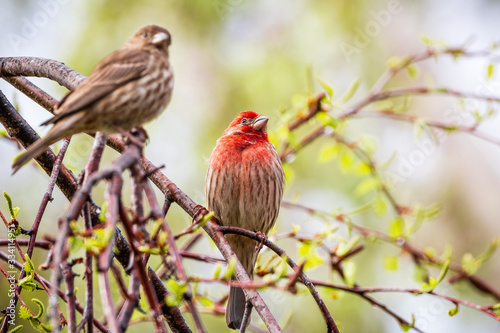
129 87
244 188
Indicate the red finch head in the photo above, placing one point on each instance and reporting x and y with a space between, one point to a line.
248 122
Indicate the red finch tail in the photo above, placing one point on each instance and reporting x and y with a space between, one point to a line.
235 308
244 248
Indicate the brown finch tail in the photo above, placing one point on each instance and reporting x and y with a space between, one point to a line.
37 148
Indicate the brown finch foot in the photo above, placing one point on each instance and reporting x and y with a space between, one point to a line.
137 137
262 239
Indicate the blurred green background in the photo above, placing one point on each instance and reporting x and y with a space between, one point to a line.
235 55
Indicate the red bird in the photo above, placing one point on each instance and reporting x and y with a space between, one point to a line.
244 187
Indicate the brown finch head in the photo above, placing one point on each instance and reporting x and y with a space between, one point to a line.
248 122
150 36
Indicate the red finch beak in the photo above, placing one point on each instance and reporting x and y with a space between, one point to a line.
159 38
260 124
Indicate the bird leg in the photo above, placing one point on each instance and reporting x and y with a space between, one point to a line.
137 136
262 239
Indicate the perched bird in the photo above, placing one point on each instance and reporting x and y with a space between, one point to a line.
128 88
244 187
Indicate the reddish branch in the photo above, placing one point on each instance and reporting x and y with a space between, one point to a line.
362 291
57 71
416 253
18 128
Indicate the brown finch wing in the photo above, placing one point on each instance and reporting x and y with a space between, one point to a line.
114 71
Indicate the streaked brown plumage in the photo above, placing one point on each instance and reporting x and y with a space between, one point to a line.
129 87
244 187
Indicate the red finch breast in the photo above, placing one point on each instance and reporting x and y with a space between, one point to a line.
129 87
244 187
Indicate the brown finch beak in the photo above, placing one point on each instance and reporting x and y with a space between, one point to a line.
159 38
260 123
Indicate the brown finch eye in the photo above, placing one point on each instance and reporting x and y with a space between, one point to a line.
145 34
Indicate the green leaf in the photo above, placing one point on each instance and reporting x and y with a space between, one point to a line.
282 268
367 185
329 152
396 228
426 40
393 62
444 270
429 286
347 96
430 252
206 302
491 69
380 205
346 161
327 120
477 116
420 274
24 313
41 307
346 247
12 210
349 272
412 71
453 311
403 107
405 327
162 239
35 323
418 128
207 217
489 251
102 213
391 263
46 327
309 254
231 265
29 268
289 174
176 291
363 169
328 89
75 244
16 329
469 264
27 285
368 143
217 271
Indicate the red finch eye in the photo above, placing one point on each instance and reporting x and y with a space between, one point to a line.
244 121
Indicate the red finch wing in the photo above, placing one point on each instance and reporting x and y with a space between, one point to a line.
117 69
